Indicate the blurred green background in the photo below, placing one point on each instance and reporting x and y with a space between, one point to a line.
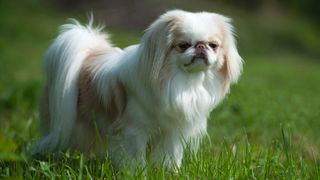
279 89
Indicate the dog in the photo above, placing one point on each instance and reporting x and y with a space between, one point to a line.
99 99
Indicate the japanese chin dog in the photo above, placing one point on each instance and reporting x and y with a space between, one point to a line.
152 97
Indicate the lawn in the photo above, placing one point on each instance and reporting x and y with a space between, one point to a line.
267 127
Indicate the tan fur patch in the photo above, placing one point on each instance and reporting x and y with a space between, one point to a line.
89 102
165 69
88 97
174 35
87 105
118 100
225 72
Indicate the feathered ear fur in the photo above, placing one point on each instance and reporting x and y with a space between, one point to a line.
231 62
157 43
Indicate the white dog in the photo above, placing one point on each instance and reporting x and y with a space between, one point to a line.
99 99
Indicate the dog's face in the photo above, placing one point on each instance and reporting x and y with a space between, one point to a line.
191 42
196 43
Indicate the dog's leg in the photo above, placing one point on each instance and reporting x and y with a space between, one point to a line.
128 149
168 150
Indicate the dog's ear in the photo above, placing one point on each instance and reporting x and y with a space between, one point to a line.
231 61
157 42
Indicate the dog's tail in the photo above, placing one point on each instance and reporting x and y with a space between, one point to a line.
62 67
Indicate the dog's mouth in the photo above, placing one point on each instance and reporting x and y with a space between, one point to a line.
197 64
198 59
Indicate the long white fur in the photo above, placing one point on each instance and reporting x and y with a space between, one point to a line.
62 66
166 117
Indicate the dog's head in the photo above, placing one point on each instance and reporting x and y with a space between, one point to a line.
191 43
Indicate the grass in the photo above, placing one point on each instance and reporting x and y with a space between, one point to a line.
267 128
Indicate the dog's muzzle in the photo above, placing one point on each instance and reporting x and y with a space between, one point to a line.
200 54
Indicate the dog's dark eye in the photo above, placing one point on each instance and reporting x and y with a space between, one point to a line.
213 46
184 46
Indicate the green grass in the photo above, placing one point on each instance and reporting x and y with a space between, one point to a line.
267 127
